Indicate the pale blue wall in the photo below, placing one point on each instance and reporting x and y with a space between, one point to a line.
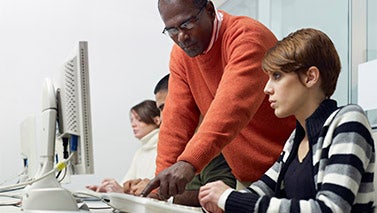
283 17
332 17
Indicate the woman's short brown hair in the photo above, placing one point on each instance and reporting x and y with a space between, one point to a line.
303 49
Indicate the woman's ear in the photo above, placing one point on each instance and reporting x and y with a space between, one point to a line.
157 120
312 76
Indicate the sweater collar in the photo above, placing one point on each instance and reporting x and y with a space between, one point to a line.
215 29
315 122
146 142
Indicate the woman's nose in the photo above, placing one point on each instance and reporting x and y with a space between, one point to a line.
267 88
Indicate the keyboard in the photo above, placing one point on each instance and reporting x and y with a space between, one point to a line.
134 204
87 195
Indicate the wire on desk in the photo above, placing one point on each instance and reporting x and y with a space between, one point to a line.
9 179
15 201
60 166
60 179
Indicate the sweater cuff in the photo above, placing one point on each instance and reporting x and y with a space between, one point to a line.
224 196
241 202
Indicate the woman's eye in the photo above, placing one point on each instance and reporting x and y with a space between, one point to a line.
276 75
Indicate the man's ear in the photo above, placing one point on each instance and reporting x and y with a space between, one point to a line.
211 8
312 76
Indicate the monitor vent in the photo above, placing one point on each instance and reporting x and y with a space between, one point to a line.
70 95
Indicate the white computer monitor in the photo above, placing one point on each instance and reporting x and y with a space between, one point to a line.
74 111
65 115
28 148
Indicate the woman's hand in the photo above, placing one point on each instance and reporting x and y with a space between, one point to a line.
136 186
210 194
107 185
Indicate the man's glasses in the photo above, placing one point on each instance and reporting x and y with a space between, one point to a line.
186 25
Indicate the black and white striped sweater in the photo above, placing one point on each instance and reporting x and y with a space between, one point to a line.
343 157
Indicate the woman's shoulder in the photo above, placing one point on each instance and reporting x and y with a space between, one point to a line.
349 112
352 107
352 112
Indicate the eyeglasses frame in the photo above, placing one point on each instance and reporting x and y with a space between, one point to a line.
191 20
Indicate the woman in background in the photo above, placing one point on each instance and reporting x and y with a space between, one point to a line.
145 122
327 164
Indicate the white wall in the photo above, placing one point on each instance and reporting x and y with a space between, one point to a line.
127 56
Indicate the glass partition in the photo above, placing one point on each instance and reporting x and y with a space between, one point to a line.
240 7
371 51
290 15
371 30
283 17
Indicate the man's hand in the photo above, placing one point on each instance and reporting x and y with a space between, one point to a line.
172 181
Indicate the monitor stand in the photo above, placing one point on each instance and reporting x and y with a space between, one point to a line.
48 195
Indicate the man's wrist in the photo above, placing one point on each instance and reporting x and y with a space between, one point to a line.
187 165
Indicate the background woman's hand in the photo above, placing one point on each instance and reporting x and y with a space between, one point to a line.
136 186
107 185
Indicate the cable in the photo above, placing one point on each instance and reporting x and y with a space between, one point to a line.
11 196
15 199
60 166
65 147
11 190
64 174
18 175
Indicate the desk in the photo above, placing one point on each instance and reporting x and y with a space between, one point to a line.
95 207
120 201
51 198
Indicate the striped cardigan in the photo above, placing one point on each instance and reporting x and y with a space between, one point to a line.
343 156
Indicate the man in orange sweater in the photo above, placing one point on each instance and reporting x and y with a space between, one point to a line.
215 71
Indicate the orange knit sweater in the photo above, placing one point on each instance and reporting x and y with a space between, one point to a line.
225 85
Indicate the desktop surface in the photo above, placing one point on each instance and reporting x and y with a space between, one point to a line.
10 205
93 202
129 203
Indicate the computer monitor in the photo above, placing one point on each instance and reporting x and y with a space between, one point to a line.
66 114
28 148
74 112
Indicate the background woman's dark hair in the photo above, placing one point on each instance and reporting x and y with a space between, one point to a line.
147 111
